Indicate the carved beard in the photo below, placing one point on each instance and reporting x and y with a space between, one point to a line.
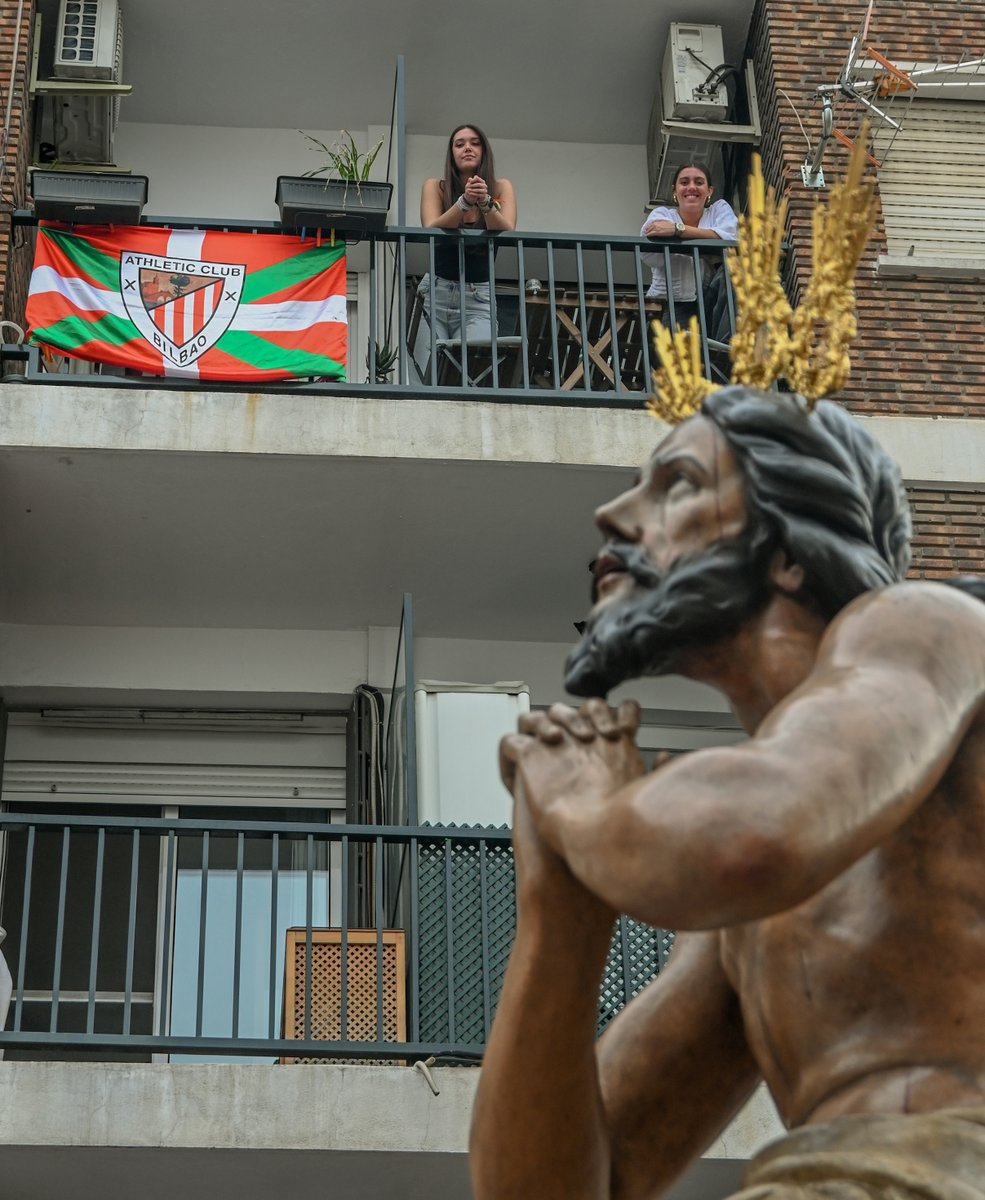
694 602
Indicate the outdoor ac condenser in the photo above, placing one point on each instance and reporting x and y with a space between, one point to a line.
458 730
88 40
692 54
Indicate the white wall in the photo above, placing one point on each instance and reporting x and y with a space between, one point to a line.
256 666
210 172
561 187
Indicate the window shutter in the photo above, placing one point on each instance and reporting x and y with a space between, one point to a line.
933 181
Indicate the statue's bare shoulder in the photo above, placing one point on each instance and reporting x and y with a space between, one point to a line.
820 984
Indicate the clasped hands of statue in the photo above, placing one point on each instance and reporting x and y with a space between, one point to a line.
562 761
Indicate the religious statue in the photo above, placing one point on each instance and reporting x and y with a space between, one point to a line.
827 875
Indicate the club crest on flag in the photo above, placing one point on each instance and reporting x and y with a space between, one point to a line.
182 306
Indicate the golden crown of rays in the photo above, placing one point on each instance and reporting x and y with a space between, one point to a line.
808 345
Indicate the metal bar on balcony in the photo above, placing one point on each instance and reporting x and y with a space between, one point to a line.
521 271
450 941
493 314
238 932
131 930
644 322
552 314
373 294
484 936
56 979
25 919
379 911
583 315
462 332
274 934
97 912
309 916
344 948
414 943
202 917
165 977
403 346
613 322
627 972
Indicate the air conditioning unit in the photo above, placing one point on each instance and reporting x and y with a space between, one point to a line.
459 726
692 56
666 151
88 40
88 50
83 127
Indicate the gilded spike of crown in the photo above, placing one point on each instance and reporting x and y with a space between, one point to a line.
809 345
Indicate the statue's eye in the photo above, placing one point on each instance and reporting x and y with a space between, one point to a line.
680 482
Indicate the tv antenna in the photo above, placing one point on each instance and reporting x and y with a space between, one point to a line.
870 86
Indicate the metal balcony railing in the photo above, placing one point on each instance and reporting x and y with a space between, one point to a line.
570 317
131 937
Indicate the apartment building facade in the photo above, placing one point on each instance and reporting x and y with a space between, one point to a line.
229 615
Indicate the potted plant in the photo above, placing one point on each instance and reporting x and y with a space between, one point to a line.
386 360
348 201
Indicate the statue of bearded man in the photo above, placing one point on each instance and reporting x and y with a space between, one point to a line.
825 875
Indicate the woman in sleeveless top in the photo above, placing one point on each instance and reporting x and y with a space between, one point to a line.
468 197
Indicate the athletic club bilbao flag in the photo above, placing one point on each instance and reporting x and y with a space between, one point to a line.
224 306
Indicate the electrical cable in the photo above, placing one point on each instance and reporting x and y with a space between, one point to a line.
782 93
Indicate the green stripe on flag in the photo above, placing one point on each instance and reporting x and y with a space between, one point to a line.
104 268
256 351
291 272
71 332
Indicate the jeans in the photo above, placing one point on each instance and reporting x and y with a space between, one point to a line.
444 312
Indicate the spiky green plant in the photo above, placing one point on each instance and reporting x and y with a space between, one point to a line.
344 157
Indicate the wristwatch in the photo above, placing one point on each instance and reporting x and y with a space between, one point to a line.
681 228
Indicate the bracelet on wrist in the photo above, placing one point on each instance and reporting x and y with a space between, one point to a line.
489 205
464 204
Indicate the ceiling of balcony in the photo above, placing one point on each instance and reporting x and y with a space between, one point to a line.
578 72
227 541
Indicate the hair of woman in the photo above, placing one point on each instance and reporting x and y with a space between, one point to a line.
451 185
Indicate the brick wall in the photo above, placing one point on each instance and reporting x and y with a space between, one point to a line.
948 532
15 148
921 344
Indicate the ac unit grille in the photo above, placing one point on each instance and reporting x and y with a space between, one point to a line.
88 40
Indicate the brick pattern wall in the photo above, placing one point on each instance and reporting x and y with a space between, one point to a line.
948 533
16 245
921 344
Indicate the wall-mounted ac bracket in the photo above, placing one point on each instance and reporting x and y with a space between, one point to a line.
676 136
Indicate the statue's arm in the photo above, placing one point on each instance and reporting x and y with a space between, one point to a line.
738 833
674 1068
561 1117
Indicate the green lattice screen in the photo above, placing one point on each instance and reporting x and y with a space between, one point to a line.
452 880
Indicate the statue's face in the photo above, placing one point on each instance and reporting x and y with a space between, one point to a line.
682 567
688 496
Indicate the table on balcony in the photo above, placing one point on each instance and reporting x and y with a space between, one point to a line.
628 331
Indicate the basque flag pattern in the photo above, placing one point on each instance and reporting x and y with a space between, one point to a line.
224 306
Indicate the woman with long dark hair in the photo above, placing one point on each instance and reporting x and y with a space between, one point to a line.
468 197
695 215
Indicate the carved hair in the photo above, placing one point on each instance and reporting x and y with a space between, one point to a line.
820 482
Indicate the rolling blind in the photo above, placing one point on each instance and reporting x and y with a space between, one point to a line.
933 181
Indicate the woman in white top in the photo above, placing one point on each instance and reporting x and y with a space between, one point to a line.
694 216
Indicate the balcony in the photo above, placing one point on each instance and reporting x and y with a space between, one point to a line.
132 938
569 320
